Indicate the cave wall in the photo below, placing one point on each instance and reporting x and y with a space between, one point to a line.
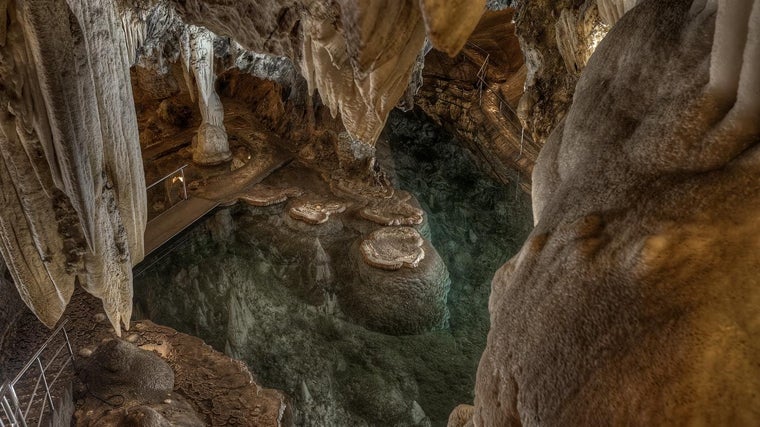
476 93
557 39
73 199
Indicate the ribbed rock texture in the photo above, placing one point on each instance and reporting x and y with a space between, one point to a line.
73 196
549 85
634 301
73 203
476 93
557 39
612 10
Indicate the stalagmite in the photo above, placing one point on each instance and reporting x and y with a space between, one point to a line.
211 146
359 56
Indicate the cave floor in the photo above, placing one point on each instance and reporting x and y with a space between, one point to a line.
207 388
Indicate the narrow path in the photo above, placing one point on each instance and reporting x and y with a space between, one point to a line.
180 216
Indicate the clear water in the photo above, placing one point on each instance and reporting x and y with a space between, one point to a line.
245 286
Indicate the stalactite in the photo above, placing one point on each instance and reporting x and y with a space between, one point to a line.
70 121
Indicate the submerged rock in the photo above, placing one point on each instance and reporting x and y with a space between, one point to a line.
401 300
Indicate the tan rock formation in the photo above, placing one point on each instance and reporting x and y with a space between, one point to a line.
556 38
399 284
262 195
449 23
612 10
476 94
315 211
397 210
73 192
632 302
359 56
211 146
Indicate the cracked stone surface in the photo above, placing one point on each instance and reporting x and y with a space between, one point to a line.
397 210
391 248
314 211
264 195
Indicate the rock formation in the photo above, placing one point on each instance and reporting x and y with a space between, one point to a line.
476 93
211 145
401 285
140 379
80 216
557 39
73 200
358 56
631 302
612 10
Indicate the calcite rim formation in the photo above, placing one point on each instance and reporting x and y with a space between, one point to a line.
393 248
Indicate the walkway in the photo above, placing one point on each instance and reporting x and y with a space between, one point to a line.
221 189
174 220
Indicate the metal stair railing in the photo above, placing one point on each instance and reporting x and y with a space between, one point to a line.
15 412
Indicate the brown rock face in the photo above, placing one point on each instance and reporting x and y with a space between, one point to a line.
476 94
631 302
546 31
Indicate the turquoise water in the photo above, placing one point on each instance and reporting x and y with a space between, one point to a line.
246 283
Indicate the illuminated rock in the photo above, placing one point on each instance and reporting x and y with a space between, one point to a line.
391 248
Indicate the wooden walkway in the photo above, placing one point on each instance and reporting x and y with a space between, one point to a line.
172 222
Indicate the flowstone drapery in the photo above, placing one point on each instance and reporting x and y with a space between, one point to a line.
71 181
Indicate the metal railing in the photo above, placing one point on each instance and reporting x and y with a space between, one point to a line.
26 398
167 199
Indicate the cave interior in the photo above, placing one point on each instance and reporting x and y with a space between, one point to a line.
380 213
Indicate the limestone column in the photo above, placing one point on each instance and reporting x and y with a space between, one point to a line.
211 146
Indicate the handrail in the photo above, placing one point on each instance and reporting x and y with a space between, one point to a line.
39 352
15 416
183 196
167 176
